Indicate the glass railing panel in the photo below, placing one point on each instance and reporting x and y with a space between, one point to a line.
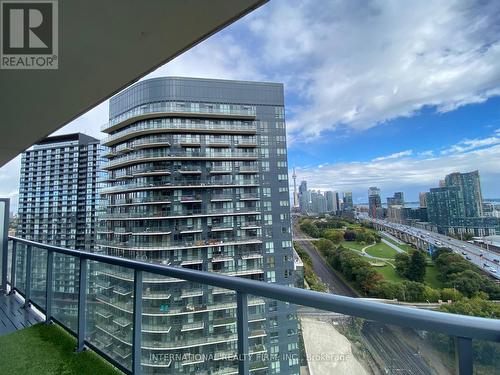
110 311
187 327
65 290
486 356
328 342
21 267
38 276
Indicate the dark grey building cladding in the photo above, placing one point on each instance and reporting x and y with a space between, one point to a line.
196 90
175 111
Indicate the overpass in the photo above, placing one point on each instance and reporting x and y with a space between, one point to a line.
421 239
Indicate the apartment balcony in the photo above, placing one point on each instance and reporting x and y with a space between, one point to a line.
159 110
109 327
218 143
146 127
155 156
221 227
221 198
161 215
140 201
179 245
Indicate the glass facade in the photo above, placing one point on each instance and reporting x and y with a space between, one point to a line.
197 178
57 206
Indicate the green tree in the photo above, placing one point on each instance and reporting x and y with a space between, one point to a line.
350 235
431 295
439 251
450 294
402 261
466 282
416 267
334 235
308 227
413 291
325 246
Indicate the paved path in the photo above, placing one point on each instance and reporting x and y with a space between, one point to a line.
13 316
388 243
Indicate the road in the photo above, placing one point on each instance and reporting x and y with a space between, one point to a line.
387 346
489 261
334 283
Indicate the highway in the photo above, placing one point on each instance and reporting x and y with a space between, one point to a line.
484 259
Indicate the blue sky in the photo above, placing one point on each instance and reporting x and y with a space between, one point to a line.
377 92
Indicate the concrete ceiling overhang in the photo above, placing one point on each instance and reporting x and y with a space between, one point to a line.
104 46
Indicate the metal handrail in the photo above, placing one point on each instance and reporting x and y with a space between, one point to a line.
464 328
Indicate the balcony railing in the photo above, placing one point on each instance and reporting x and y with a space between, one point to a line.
463 328
162 126
167 108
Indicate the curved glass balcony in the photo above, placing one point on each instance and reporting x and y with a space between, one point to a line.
160 109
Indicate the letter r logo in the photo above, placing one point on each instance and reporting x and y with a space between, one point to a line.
27 27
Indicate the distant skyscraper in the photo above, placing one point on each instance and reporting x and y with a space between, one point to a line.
330 201
304 197
422 200
295 193
396 200
470 187
443 204
348 203
374 202
318 202
336 201
57 193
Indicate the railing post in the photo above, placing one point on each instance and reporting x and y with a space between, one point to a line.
137 334
13 267
82 302
27 286
463 356
242 327
49 291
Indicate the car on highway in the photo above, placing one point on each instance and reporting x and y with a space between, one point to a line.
496 260
464 253
468 258
492 270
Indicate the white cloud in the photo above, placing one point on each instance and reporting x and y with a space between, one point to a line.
363 63
397 155
471 144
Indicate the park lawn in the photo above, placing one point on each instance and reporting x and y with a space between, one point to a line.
404 247
431 279
352 245
388 273
381 250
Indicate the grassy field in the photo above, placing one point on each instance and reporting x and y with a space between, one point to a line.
45 350
389 273
352 245
381 250
431 273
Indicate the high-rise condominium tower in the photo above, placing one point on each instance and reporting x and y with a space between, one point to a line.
374 202
197 178
57 192
57 206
